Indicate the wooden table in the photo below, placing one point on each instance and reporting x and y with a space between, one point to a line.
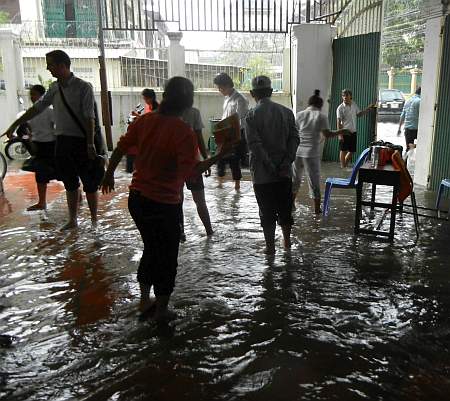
385 175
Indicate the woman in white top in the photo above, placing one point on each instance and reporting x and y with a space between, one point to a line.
311 123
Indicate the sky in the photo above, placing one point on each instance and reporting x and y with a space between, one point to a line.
203 40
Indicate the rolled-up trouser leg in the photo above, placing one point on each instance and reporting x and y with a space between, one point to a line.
159 226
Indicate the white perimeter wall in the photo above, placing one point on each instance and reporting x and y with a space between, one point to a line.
11 73
209 104
430 76
313 63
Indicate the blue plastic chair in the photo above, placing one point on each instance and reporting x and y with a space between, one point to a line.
444 183
345 183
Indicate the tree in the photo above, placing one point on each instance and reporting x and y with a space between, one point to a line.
45 83
256 53
239 48
404 34
4 17
256 65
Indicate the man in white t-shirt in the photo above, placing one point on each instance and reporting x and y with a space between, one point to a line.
44 140
347 113
234 103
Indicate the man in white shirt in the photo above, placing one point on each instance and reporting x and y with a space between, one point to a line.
347 113
234 103
76 151
44 139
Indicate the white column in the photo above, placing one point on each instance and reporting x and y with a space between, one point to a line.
414 71
176 63
391 75
12 74
313 63
286 71
32 17
430 77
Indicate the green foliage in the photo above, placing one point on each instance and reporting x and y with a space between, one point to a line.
43 82
4 17
255 53
404 33
256 65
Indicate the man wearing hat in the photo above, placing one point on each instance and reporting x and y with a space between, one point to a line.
272 139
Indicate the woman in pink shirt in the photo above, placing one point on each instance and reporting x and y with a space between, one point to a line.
167 155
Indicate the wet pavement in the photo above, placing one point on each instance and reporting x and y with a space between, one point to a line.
387 131
338 317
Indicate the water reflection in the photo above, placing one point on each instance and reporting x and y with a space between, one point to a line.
90 286
5 206
339 317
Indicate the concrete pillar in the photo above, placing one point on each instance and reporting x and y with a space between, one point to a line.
12 75
430 78
176 62
414 71
312 63
286 84
31 16
391 75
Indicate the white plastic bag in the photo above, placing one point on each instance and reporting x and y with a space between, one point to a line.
411 160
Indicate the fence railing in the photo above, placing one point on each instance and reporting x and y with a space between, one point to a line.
203 15
406 80
132 60
242 66
138 67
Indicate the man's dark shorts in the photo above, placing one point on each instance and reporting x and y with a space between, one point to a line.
195 183
73 164
410 136
349 143
235 166
45 156
275 202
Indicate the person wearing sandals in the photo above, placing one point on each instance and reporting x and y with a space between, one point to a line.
167 156
311 124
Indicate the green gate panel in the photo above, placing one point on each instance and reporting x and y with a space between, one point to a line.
440 165
383 80
86 19
402 82
355 66
55 18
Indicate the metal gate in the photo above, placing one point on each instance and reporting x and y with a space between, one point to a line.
355 66
440 166
202 15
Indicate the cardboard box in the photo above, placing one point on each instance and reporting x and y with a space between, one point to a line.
227 130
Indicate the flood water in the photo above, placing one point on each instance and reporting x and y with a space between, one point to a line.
338 318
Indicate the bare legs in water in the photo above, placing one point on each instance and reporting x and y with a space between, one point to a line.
73 203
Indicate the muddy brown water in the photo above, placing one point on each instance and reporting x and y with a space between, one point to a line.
338 318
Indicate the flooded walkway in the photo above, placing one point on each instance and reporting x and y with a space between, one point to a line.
338 318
